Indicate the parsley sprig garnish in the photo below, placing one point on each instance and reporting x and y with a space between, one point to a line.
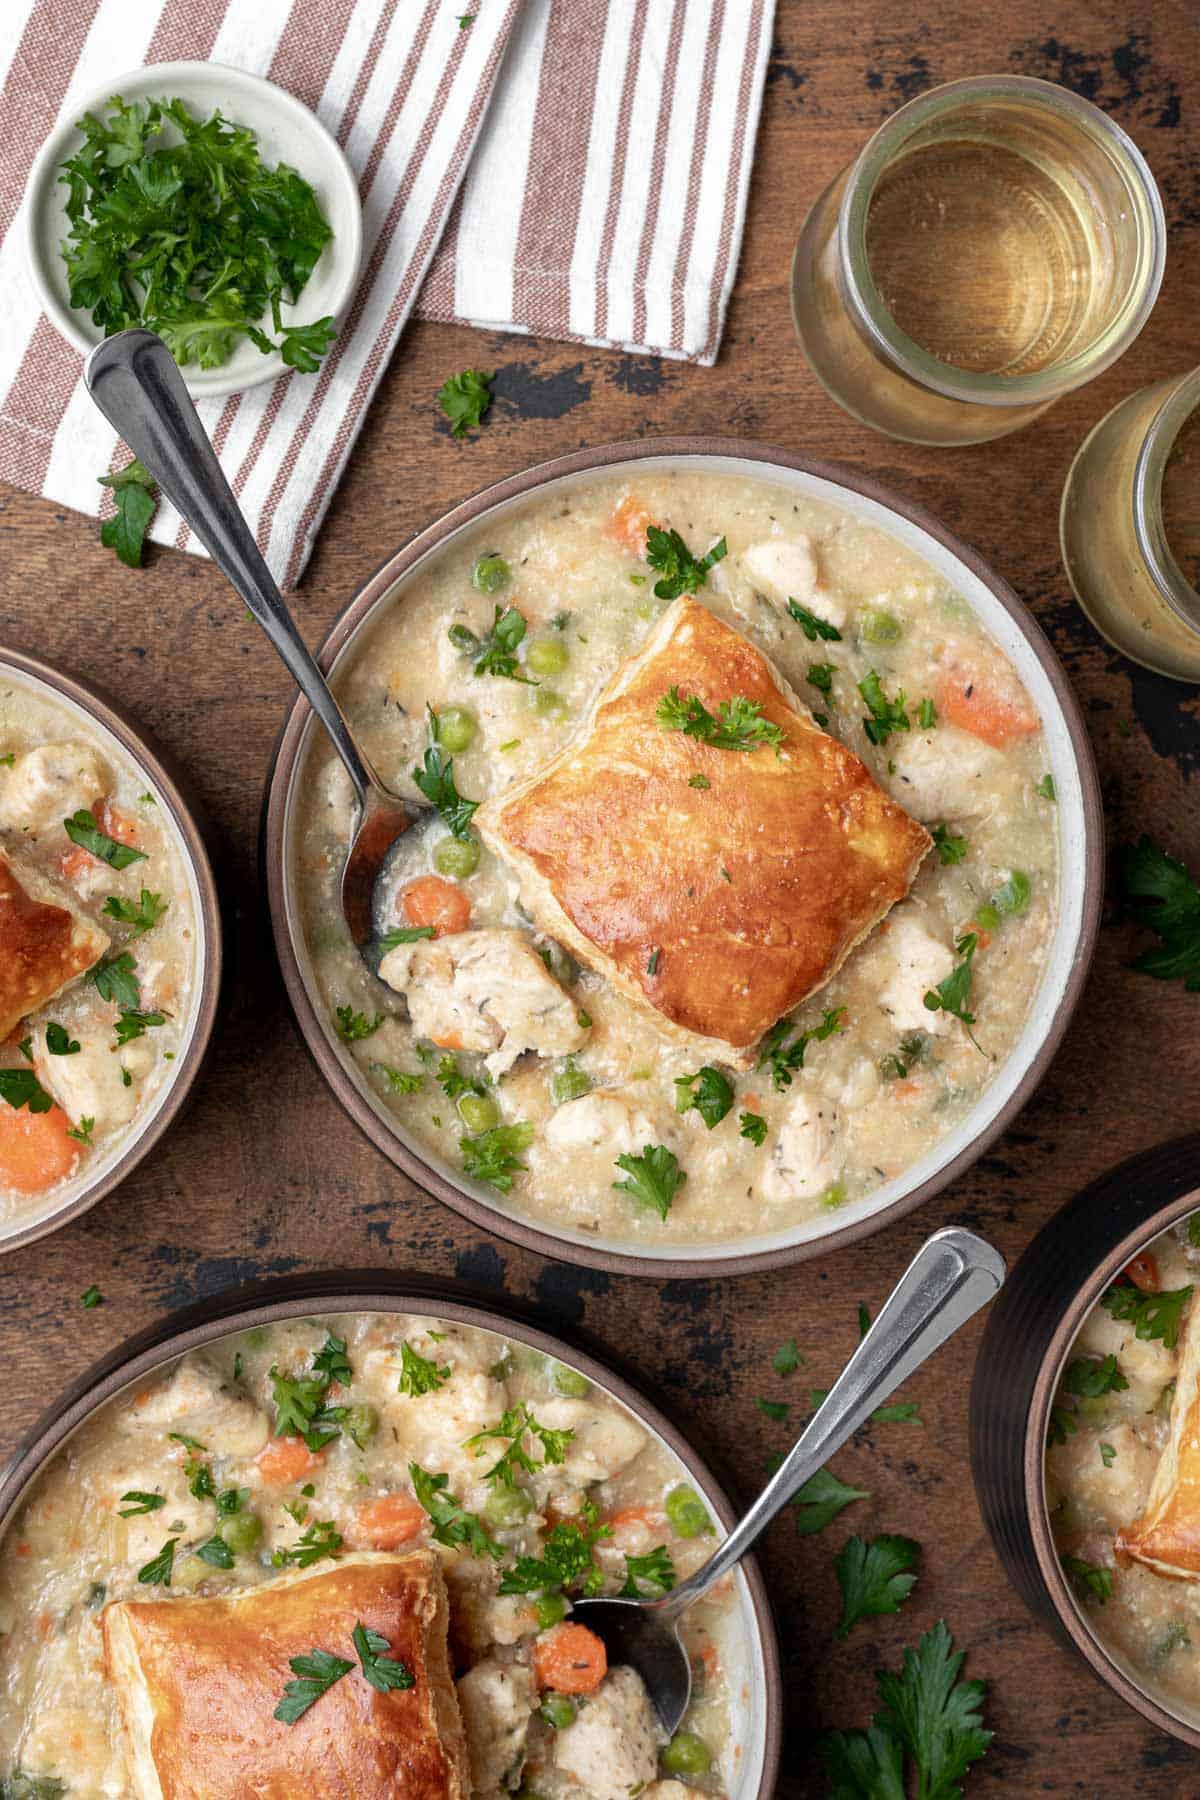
874 1578
813 626
1159 894
679 571
737 725
353 1026
495 654
929 1719
383 1672
821 1499
654 1178
950 849
886 716
115 980
953 995
195 239
315 1674
785 1058
140 915
449 1521
435 778
494 1155
83 830
21 1087
707 1091
135 497
465 398
648 1577
418 1375
300 1400
322 1538
567 1561
516 1424
1154 1315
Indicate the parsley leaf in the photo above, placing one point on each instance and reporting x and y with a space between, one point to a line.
821 676
435 778
1045 788
59 1042
465 398
708 1091
910 1050
300 1400
1089 1377
303 346
787 1359
142 915
331 1363
679 571
383 1672
515 1424
21 1087
927 715
353 1026
316 1673
1151 1315
812 625
774 1409
321 1539
874 1578
418 1375
451 1524
158 1569
785 1059
650 1576
216 1553
83 830
405 934
950 849
738 724
752 1126
136 1502
495 1155
135 498
929 1714
132 1023
654 1178
886 716
821 1499
115 980
495 654
1160 895
1090 1578
566 1560
954 993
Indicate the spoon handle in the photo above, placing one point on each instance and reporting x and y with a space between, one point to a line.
134 380
953 1274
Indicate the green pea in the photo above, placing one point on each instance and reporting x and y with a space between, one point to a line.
478 1112
687 1512
1013 897
986 917
569 1083
362 1422
456 728
490 574
241 1531
547 702
549 1609
558 1710
547 656
879 628
456 856
687 1754
570 1382
506 1507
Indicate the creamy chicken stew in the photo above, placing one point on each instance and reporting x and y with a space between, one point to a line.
81 830
570 1102
1120 1463
296 1443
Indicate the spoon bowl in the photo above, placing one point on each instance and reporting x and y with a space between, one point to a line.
952 1275
136 383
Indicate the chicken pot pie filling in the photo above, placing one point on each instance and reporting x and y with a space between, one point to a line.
554 1072
365 1528
98 949
1123 1468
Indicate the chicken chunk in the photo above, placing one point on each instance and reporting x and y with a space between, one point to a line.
943 774
604 1441
195 1402
805 1158
913 963
487 991
496 1701
45 786
785 568
601 1121
611 1748
432 1428
91 1084
1115 1490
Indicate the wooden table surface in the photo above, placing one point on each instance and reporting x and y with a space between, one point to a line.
265 1174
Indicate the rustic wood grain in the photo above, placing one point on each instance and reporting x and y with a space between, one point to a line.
266 1175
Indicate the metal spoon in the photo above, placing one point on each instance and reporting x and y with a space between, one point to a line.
952 1275
134 380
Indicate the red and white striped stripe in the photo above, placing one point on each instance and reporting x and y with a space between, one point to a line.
604 200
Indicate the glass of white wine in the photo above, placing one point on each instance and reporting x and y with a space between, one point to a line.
1130 526
998 242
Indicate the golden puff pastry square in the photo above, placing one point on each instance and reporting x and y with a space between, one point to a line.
44 944
1167 1537
718 887
198 1681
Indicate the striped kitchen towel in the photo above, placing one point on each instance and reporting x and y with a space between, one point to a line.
604 202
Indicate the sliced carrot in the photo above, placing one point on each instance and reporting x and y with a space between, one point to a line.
117 824
570 1659
998 719
1143 1272
629 522
388 1521
904 1091
76 863
982 938
35 1150
286 1459
633 1515
432 900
